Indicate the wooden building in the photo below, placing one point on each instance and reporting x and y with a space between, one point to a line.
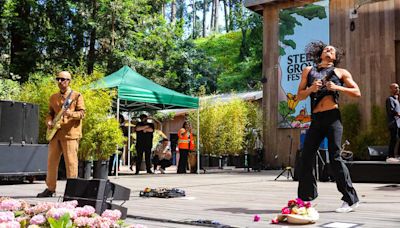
371 40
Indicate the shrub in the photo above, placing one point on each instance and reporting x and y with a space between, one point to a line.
9 89
226 128
376 132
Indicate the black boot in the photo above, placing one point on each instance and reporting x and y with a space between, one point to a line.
46 193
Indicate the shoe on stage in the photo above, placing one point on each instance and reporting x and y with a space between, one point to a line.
46 193
345 208
393 160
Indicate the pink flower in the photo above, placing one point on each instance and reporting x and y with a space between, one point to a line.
37 219
103 222
307 204
275 221
57 213
286 211
10 205
299 202
114 215
85 211
39 208
12 224
83 221
291 203
256 218
6 216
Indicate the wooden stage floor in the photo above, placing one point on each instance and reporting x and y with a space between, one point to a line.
233 198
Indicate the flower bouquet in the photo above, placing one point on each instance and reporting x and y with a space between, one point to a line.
297 212
17 213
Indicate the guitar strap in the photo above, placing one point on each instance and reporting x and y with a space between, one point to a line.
66 102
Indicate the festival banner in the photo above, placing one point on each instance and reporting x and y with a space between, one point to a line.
298 27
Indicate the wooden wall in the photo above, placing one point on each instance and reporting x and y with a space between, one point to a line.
370 57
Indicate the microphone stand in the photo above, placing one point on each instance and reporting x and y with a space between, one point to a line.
288 169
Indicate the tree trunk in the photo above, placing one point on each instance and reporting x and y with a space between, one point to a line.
204 17
244 50
112 30
212 15
231 10
173 11
92 50
194 19
226 16
216 16
22 60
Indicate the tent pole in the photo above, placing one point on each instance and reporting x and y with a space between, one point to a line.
129 138
116 152
198 141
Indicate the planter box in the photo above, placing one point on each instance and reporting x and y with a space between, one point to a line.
204 161
214 161
100 170
85 169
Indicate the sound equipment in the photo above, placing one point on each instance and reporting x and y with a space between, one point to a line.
19 122
98 193
25 159
378 153
374 171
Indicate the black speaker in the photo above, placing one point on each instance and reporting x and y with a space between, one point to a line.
18 159
378 153
19 122
98 193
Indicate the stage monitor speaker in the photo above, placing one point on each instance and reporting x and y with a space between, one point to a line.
19 122
98 193
378 153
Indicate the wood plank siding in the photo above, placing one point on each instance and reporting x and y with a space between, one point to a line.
371 56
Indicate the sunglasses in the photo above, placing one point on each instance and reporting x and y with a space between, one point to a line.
62 79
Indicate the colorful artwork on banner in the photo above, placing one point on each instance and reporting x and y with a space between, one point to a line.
297 27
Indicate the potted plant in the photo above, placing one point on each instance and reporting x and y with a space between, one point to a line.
101 142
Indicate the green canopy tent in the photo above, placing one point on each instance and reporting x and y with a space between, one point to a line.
137 93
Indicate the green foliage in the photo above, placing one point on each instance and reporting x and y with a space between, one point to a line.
375 134
102 140
234 72
63 222
9 89
225 127
351 119
161 116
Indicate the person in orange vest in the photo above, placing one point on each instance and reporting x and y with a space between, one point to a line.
185 145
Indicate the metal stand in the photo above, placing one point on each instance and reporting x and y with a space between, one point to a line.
288 169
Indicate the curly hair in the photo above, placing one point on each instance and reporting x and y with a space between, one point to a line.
314 50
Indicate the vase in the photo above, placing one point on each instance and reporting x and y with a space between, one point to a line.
100 169
85 169
204 161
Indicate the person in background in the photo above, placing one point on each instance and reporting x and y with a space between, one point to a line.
393 118
185 145
162 155
144 142
113 163
66 139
